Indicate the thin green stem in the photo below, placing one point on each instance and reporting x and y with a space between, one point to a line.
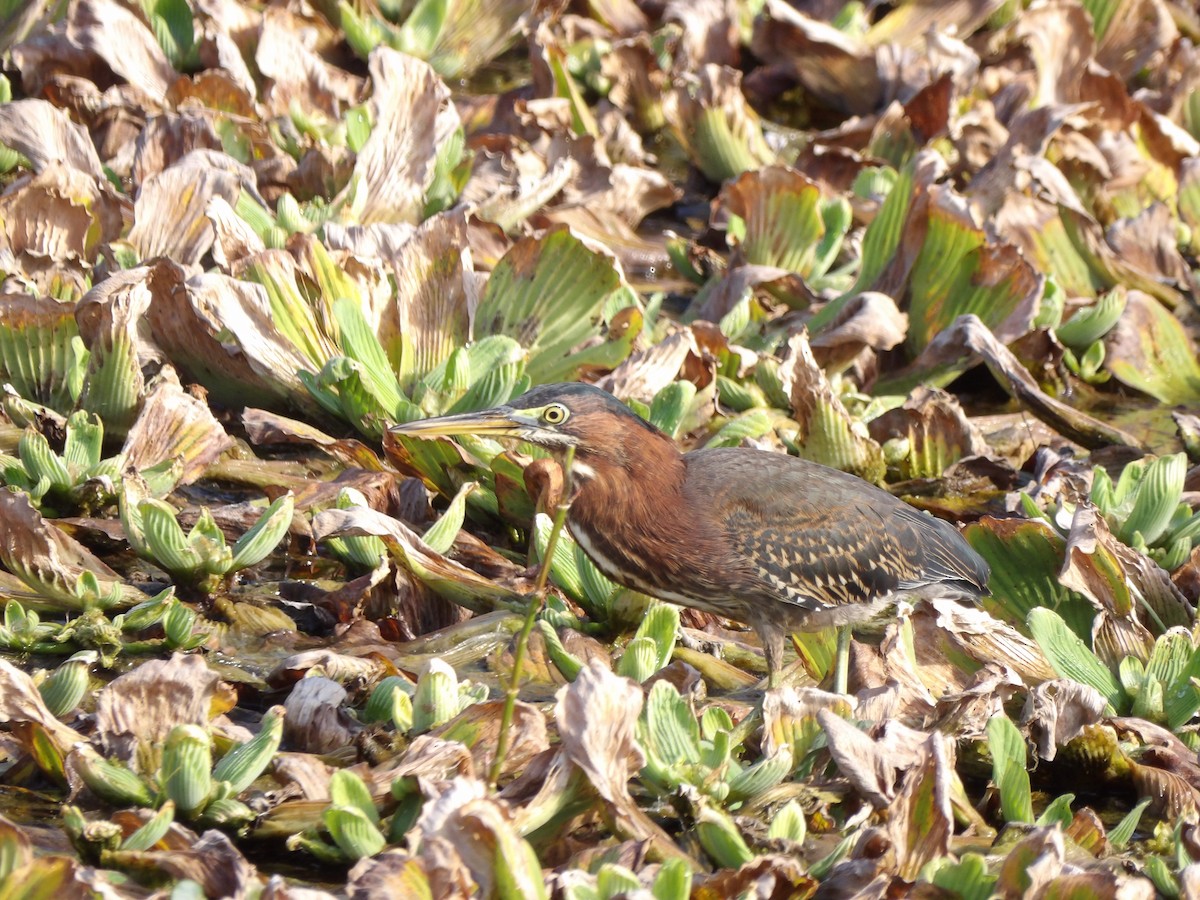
841 661
536 601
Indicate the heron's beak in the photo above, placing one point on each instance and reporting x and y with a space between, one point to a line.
501 421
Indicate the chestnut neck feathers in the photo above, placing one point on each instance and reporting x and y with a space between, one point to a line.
655 543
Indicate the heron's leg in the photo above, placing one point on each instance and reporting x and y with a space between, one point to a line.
773 642
841 661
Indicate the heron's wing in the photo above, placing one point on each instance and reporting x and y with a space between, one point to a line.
820 538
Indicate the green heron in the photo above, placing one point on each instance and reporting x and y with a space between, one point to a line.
776 542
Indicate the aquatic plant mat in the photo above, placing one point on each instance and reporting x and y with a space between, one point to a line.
254 645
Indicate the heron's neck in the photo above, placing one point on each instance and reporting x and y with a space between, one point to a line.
630 479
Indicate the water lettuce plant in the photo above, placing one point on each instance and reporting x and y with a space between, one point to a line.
200 559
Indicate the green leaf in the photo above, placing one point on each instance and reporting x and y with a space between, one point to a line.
244 763
451 170
1070 657
153 831
548 293
186 774
37 354
880 242
361 344
761 776
672 735
292 312
1157 496
1007 747
496 373
959 272
567 663
783 216
752 424
1149 350
83 444
721 839
638 660
41 462
1159 872
441 534
1058 811
1091 323
355 834
968 879
348 790
115 384
436 699
671 406
171 22
598 589
1122 833
1182 696
1025 557
564 567
207 539
165 540
379 704
660 626
721 133
253 546
673 881
788 823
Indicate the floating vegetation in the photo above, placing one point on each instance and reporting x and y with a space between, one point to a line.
253 642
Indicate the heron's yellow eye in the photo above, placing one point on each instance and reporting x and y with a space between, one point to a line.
555 414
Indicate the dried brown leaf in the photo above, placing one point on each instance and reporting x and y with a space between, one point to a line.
20 702
175 425
919 821
990 640
478 727
483 835
597 718
122 40
1116 577
969 336
432 759
839 68
1149 242
220 331
135 712
710 32
214 864
1057 711
414 116
874 766
397 873
316 721
1031 864
725 291
769 875
869 320
435 292
233 239
648 371
1171 794
171 211
297 74
56 222
46 136
48 560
